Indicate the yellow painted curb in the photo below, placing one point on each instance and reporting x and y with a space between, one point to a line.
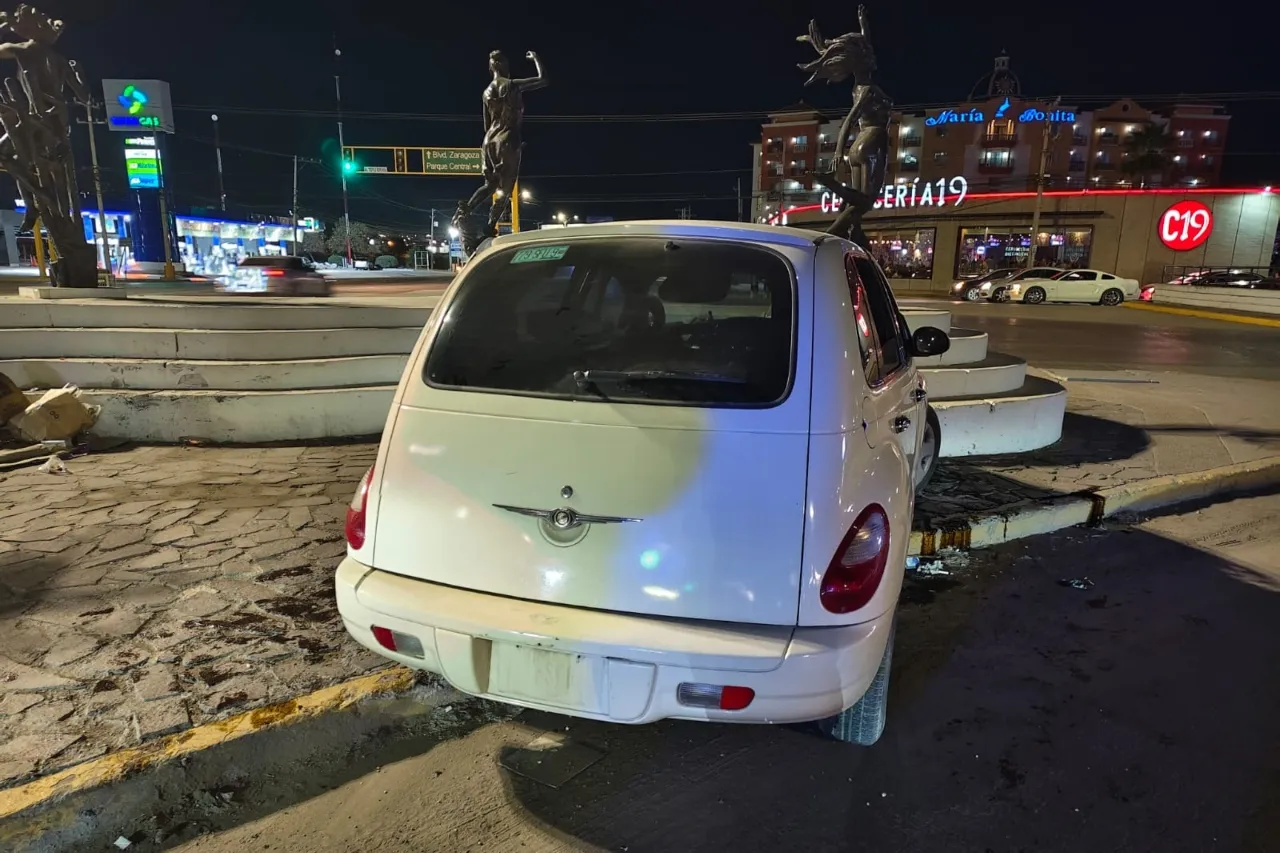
1207 315
115 766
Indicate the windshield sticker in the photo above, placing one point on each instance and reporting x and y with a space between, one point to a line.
539 253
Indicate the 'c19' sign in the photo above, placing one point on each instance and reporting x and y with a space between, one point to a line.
915 194
1186 225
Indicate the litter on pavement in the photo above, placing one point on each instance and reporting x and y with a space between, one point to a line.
1076 583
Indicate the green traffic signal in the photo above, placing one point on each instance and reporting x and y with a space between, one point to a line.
348 166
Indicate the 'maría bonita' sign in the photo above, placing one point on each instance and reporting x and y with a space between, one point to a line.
918 193
976 116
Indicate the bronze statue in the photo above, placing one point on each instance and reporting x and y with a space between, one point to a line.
35 148
858 175
503 116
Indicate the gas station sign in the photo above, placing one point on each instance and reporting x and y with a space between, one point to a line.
138 105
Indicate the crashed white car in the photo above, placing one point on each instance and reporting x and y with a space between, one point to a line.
1092 286
650 470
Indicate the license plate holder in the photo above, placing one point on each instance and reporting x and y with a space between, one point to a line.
559 679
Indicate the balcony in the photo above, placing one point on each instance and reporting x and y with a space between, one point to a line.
909 166
996 167
1002 139
773 148
1078 138
911 141
1104 166
1108 139
1076 166
827 145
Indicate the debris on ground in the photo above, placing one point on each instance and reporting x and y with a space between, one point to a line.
1076 583
53 465
931 567
946 561
59 414
122 843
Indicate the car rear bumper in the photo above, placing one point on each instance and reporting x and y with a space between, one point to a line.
607 666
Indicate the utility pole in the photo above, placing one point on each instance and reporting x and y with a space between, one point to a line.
342 150
739 199
103 255
1048 134
293 211
169 274
217 147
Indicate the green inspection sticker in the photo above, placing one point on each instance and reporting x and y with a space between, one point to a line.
539 253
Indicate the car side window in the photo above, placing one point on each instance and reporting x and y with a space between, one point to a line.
1088 276
1106 277
868 346
884 316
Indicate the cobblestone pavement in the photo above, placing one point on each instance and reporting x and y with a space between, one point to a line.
160 587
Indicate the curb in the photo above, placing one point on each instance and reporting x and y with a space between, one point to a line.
117 766
1091 506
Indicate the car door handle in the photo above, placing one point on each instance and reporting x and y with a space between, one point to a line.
901 423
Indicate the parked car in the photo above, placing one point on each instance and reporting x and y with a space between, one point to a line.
1093 286
967 288
278 275
998 291
617 483
1246 280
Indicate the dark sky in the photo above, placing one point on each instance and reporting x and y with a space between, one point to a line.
610 58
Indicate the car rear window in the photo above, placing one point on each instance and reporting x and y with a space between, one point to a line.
632 319
263 261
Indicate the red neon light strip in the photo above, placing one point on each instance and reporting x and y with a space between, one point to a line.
805 208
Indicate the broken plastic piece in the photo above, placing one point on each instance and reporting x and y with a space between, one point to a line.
53 465
1076 583
122 843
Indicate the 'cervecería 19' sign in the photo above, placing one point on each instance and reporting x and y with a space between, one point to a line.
1185 225
918 193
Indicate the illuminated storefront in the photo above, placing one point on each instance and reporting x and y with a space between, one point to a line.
926 245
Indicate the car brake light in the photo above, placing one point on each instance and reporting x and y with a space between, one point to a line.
725 698
273 273
858 566
356 512
394 641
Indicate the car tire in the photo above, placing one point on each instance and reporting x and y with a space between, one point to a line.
929 444
999 295
863 722
972 294
1034 296
1111 297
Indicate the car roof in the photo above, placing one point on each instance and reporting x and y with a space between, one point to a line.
778 235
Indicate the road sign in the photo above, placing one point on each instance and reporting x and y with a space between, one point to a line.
138 105
397 160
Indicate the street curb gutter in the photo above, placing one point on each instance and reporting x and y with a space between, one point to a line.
1093 506
31 810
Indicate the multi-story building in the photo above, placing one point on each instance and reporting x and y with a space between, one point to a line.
996 139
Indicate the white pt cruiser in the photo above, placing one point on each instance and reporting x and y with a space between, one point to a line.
650 470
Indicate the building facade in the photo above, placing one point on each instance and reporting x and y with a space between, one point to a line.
996 138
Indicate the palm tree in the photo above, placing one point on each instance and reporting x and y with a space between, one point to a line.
1147 151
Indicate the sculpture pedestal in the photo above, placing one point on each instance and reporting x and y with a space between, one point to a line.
73 292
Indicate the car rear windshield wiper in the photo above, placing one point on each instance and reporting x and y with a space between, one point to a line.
590 377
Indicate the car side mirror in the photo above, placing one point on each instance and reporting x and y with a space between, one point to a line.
928 341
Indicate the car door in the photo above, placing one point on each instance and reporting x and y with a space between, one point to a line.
1075 286
892 410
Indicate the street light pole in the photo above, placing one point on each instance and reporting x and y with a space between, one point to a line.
342 154
217 147
293 211
103 254
1044 162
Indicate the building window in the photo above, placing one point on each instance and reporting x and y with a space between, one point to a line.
1108 136
939 156
939 132
824 164
1000 130
1210 137
1206 159
774 145
774 167
799 144
996 158
910 163
906 253
984 249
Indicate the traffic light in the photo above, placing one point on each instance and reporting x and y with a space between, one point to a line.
349 167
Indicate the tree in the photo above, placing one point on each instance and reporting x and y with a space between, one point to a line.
361 234
1147 151
315 242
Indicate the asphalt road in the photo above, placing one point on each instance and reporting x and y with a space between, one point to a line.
1025 715
1082 337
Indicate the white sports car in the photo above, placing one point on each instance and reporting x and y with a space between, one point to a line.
1093 286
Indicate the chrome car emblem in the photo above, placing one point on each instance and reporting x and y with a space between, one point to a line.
565 518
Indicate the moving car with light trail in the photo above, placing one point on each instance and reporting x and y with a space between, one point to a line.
277 275
1092 286
651 470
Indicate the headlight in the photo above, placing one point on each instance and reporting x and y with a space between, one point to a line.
959 285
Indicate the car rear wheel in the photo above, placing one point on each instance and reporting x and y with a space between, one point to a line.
1112 297
927 458
1000 295
1034 296
863 723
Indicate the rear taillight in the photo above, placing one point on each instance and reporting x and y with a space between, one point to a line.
858 565
356 512
274 273
395 641
721 697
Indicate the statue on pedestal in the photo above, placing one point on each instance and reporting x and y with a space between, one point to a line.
857 176
35 148
503 116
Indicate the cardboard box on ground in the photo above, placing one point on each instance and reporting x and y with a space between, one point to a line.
58 414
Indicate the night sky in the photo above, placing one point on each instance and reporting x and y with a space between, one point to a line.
269 58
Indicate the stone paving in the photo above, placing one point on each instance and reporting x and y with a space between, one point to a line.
148 590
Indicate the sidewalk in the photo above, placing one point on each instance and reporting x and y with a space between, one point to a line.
156 588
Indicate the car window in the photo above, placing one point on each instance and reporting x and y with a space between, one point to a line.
868 346
262 261
1108 277
1077 275
884 315
630 319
